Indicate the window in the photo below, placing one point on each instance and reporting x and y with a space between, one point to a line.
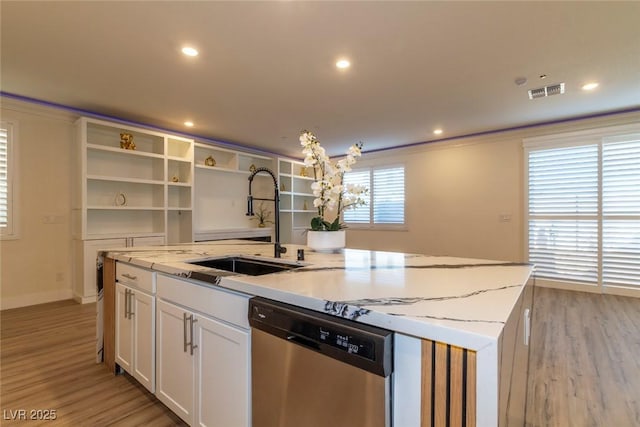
385 204
7 193
584 209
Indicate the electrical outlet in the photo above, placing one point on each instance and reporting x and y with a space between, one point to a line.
505 217
52 219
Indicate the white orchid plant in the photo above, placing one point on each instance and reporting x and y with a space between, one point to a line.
331 194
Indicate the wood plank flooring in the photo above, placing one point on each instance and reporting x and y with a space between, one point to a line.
585 366
47 362
585 360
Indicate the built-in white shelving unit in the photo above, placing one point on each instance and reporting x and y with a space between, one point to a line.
128 197
222 190
296 200
225 160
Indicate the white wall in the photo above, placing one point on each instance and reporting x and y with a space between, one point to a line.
36 267
456 192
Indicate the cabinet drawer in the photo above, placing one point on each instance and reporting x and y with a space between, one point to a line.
222 304
137 277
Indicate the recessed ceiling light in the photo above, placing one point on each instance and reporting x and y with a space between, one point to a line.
188 124
189 51
590 86
343 63
520 81
438 131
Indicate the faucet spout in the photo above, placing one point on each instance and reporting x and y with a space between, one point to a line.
278 249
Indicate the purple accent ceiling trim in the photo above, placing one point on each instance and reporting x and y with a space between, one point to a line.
258 150
496 131
99 116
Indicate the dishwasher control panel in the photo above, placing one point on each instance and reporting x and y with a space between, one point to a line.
352 342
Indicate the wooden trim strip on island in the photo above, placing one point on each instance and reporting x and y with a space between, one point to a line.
448 386
109 312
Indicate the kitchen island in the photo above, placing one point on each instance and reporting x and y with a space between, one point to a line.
461 344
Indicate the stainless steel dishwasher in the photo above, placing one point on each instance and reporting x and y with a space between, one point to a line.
311 369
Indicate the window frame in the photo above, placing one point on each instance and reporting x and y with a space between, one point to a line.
371 225
599 137
11 232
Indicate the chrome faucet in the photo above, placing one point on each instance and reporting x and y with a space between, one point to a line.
278 248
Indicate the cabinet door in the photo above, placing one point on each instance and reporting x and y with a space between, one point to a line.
144 350
86 290
175 370
124 329
222 382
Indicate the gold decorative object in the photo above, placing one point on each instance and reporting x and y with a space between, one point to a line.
303 172
126 141
282 187
175 178
252 168
210 161
304 206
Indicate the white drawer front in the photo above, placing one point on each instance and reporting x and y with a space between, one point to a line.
137 277
222 304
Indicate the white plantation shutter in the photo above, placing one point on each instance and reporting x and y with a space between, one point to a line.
563 208
564 181
584 211
621 211
385 204
5 179
388 196
361 214
564 249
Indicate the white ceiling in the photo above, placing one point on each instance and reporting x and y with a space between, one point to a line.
266 69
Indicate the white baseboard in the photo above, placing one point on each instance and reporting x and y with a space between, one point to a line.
608 290
622 291
35 298
85 300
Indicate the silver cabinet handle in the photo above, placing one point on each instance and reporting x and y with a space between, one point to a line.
131 313
128 276
184 332
127 303
188 342
191 345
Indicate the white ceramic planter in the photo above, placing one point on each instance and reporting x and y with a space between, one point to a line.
326 241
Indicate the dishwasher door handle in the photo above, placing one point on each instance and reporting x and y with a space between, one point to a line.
305 342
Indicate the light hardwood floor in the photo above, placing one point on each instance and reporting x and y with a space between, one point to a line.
585 366
585 360
47 357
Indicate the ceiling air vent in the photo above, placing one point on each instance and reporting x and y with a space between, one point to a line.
546 91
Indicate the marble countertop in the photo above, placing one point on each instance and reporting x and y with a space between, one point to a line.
460 301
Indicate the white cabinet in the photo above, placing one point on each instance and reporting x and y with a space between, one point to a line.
124 328
135 323
203 353
222 379
176 367
296 201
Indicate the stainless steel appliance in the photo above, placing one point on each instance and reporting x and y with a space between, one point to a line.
314 370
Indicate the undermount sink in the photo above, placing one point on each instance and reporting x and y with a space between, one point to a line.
242 265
